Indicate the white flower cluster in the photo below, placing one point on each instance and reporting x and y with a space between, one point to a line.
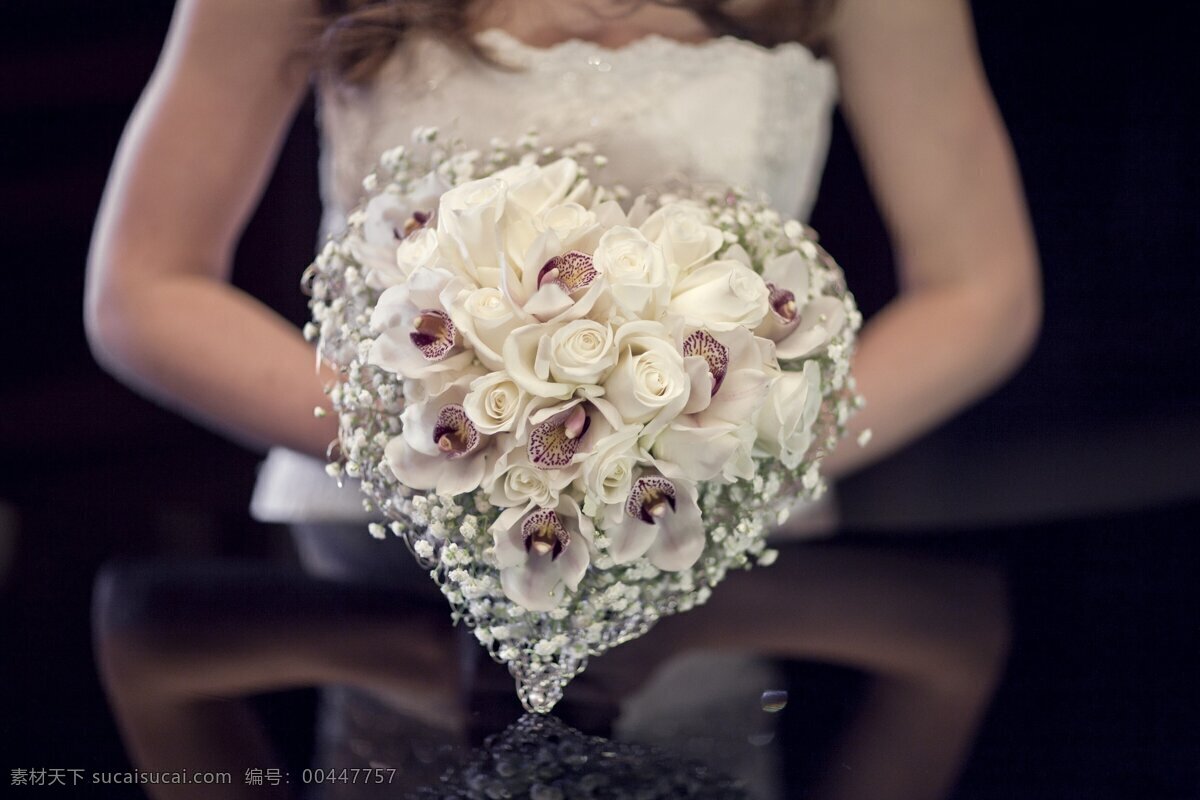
580 415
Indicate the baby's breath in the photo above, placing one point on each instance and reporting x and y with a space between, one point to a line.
455 537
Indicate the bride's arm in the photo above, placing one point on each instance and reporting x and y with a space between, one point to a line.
191 166
944 176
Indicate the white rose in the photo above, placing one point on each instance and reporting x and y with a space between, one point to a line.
785 422
485 318
683 232
467 229
636 272
521 485
566 221
581 352
535 188
494 402
527 359
518 482
608 472
721 295
650 383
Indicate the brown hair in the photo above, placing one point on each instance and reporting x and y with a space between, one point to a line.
357 36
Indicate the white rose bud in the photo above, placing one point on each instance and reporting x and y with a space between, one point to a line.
535 188
517 482
582 352
485 318
494 402
785 422
523 484
650 383
636 272
721 295
552 360
681 229
566 220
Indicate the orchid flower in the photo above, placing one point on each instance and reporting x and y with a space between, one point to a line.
542 553
661 521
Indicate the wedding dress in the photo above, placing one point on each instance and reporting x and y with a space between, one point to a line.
664 113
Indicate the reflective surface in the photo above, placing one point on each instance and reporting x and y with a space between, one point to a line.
542 758
695 704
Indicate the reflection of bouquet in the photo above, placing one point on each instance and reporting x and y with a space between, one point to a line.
579 416
541 758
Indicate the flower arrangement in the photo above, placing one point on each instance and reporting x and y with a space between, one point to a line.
579 411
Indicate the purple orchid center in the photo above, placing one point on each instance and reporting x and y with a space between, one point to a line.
652 497
453 433
418 220
554 443
783 303
571 272
543 532
706 346
434 334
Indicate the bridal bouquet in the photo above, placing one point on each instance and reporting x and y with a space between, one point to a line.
580 412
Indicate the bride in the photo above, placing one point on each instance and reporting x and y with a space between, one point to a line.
733 91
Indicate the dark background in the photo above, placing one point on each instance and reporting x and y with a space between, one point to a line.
1084 471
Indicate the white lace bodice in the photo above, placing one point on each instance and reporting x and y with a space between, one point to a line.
661 110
